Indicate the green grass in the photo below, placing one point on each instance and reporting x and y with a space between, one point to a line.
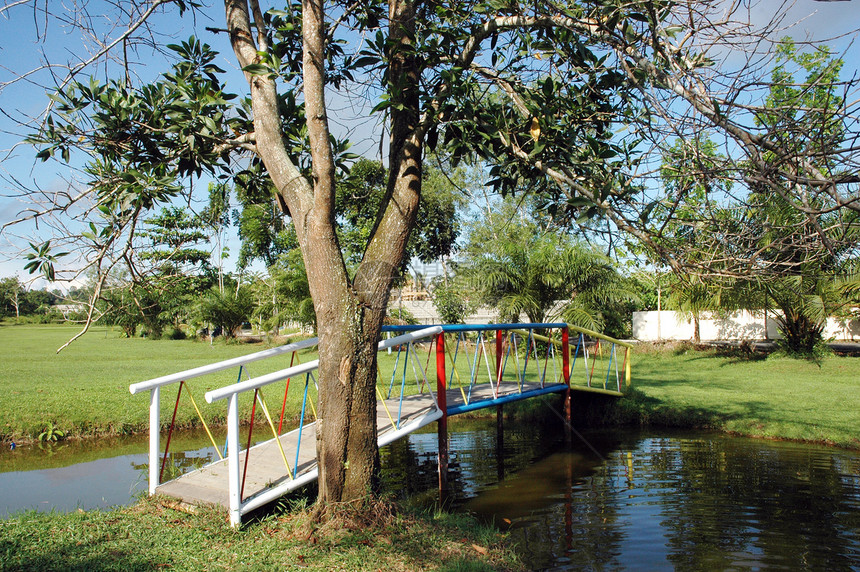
84 389
749 394
150 537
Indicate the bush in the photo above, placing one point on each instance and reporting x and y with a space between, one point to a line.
449 303
227 310
400 317
174 334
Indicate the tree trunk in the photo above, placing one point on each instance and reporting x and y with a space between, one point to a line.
346 432
349 312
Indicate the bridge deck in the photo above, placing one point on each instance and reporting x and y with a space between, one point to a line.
266 468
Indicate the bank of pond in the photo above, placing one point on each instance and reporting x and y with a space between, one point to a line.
611 499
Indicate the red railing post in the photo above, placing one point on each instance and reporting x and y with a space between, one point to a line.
442 426
565 366
248 448
565 351
170 432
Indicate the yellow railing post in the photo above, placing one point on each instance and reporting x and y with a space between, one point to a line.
627 369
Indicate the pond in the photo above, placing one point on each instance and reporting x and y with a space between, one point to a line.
69 475
647 500
610 500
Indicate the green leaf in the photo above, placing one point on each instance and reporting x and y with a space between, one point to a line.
256 69
366 61
548 87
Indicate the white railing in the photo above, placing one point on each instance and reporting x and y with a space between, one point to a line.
154 386
238 507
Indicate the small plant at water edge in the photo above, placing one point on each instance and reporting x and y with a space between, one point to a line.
52 433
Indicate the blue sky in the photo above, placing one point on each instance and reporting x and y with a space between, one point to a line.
20 51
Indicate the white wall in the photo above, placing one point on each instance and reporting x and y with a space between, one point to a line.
742 325
425 312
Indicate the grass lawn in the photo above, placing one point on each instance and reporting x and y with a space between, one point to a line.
150 537
750 394
84 389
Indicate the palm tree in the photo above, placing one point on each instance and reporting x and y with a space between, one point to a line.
544 276
692 297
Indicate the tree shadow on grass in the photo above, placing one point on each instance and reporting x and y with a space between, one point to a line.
743 353
75 556
739 355
637 408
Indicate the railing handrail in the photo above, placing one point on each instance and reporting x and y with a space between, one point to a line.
472 327
219 366
585 331
258 382
598 335
530 326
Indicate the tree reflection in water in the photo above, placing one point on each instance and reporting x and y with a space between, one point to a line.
646 500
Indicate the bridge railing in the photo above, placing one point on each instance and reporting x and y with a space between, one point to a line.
497 362
598 368
542 354
238 504
611 360
157 463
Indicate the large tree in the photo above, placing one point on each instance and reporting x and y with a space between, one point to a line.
796 254
813 248
557 97
12 294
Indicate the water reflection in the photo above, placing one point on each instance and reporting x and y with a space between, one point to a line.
646 501
68 475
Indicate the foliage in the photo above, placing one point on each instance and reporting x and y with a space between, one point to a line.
263 232
805 114
692 297
160 127
645 284
795 254
52 433
11 292
177 271
360 193
293 289
449 301
226 310
400 317
172 235
17 300
517 267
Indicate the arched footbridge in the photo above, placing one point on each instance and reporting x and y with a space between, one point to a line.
426 374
